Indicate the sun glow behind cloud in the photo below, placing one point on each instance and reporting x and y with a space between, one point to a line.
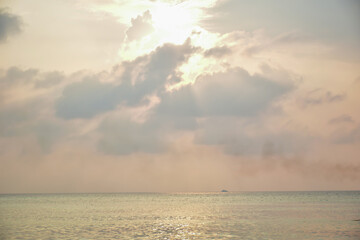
174 23
171 22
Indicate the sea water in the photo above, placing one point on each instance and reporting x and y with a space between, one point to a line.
242 215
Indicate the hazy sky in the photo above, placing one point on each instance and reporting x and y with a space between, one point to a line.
191 95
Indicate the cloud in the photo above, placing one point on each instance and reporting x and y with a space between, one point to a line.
348 137
251 137
86 99
12 120
48 133
328 170
278 41
10 25
121 136
217 52
26 107
26 82
140 26
341 119
319 96
277 16
214 105
15 75
25 120
157 71
50 79
331 23
142 77
11 80
21 86
330 97
88 95
231 93
234 94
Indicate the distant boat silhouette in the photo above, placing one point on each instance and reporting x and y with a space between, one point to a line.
224 190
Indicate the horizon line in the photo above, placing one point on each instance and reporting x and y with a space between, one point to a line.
176 192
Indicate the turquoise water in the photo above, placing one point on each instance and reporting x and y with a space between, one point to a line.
256 215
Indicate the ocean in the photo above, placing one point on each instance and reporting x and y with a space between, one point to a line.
240 215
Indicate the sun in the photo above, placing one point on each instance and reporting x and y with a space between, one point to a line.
174 22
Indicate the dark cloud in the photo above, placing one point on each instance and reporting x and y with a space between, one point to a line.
341 119
25 120
86 99
217 52
348 137
122 137
31 76
330 97
9 24
13 119
278 41
231 93
324 18
321 168
50 79
142 77
328 21
234 93
290 37
90 96
226 133
218 107
48 133
158 70
19 118
140 26
319 96
15 75
223 99
247 137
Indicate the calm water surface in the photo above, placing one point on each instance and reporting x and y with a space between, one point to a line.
260 215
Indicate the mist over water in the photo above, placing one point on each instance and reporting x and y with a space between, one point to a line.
250 215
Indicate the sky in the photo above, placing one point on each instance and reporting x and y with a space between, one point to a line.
183 95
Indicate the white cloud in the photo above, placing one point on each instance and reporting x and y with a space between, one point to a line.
140 26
